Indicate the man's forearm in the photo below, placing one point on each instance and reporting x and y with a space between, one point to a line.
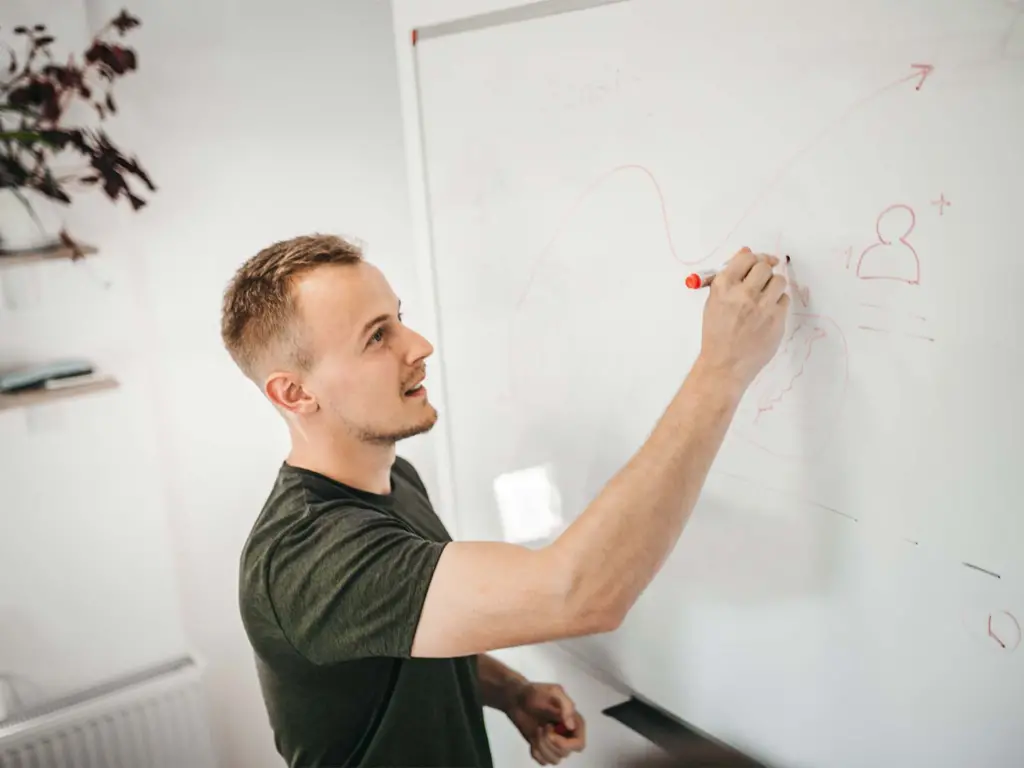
617 545
499 684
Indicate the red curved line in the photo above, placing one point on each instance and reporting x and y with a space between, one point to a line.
789 387
890 209
580 200
846 381
992 634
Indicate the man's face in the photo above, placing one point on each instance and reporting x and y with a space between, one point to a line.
367 367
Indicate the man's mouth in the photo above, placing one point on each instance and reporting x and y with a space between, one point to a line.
417 390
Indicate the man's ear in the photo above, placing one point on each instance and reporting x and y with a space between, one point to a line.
285 391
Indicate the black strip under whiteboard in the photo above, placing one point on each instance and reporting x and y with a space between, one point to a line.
683 745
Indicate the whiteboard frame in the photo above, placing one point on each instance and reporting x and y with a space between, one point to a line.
425 251
504 16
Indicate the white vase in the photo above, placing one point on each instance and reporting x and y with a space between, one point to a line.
21 230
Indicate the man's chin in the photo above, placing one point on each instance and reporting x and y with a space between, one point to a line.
420 426
429 420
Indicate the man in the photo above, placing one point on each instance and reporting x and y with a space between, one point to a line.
370 626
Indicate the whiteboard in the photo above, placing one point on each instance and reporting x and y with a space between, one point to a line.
850 589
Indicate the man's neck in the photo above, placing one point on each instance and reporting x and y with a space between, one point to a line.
347 460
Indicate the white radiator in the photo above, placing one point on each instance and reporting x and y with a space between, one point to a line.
154 719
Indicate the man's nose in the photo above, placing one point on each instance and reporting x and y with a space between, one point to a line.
419 347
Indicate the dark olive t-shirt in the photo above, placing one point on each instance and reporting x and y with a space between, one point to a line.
332 582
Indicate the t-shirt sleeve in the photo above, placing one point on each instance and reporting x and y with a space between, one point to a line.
351 585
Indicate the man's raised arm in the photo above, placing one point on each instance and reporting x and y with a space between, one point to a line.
489 595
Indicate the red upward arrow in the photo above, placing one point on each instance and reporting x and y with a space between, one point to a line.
923 70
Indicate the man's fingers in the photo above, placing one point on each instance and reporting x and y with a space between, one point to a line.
546 748
738 266
742 263
574 742
563 706
758 277
565 745
559 746
774 290
537 748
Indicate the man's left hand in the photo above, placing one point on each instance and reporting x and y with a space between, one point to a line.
537 709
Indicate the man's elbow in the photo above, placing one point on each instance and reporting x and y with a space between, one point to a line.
596 618
605 619
588 608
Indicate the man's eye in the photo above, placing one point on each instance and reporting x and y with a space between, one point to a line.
377 337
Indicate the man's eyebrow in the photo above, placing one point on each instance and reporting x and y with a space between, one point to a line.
369 325
377 319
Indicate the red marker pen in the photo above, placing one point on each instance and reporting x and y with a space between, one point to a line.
703 279
697 280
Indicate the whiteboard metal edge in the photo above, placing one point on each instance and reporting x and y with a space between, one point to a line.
511 15
419 199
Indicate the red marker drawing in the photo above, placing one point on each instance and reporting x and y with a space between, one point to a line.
562 731
698 280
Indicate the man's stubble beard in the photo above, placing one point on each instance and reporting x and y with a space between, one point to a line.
375 437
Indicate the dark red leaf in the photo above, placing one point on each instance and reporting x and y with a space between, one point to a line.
113 59
56 138
110 104
68 77
45 40
12 172
89 179
125 21
37 94
113 183
39 27
95 52
129 60
21 30
49 187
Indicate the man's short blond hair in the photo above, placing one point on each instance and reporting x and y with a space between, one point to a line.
258 317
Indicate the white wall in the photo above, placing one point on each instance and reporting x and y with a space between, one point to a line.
257 122
87 583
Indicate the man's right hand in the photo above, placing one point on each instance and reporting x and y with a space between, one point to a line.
744 317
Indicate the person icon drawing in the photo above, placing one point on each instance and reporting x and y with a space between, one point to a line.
892 257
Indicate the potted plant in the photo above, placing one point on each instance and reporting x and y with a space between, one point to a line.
38 132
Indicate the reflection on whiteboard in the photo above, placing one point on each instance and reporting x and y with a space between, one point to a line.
529 504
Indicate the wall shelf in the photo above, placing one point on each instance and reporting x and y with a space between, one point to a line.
16 258
32 397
